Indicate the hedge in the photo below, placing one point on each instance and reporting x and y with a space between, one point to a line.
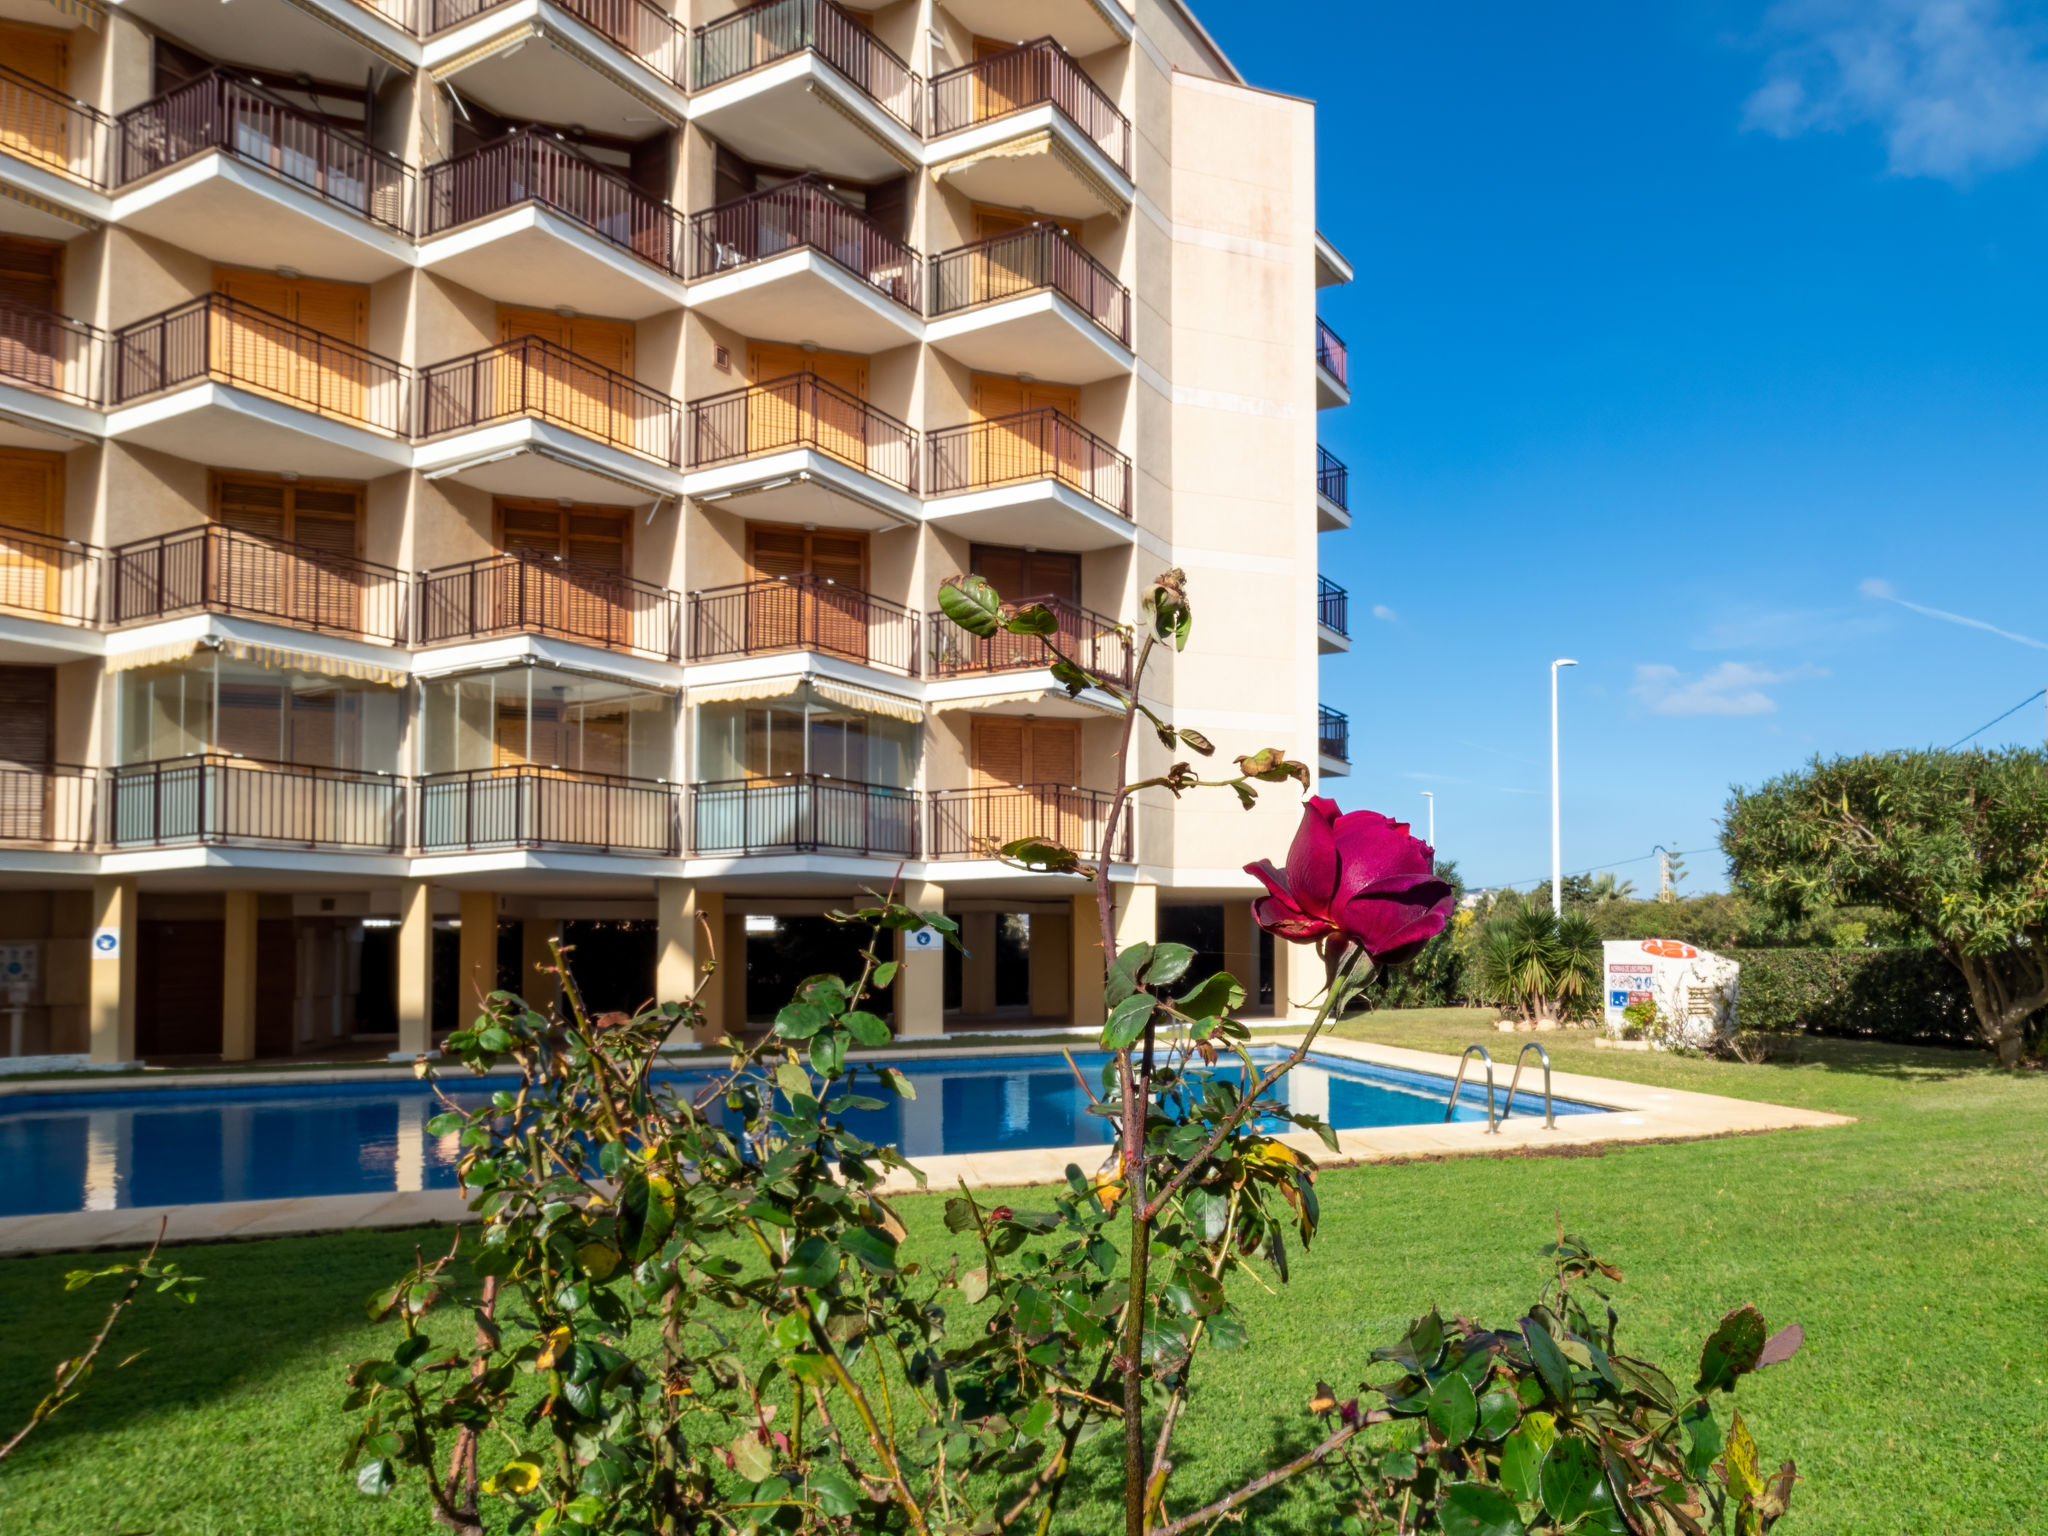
1907 996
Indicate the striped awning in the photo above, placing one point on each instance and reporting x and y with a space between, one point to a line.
871 700
89 12
759 688
274 656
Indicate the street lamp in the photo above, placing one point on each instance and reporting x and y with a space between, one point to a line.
1430 796
1556 837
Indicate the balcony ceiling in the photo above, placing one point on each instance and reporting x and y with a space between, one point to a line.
800 487
231 428
805 297
795 113
1058 516
26 641
530 77
32 420
1330 393
1080 26
1041 334
533 257
1035 160
1007 693
531 458
39 204
274 34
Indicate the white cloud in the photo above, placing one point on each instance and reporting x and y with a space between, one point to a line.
1732 688
1956 87
1385 614
1882 590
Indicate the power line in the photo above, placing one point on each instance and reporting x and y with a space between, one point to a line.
2023 703
1676 853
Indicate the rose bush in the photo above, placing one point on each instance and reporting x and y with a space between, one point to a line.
1357 877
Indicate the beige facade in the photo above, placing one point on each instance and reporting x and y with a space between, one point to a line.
491 466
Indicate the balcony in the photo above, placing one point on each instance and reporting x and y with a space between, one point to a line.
531 418
804 813
213 798
1031 302
540 595
322 39
50 580
1333 376
1333 491
1027 128
803 613
224 383
48 806
804 451
800 82
55 150
217 569
1333 742
1039 463
233 173
795 264
976 823
1092 640
1081 27
1333 617
547 809
600 63
51 375
526 219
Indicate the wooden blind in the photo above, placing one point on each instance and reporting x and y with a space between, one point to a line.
31 490
250 721
325 515
339 310
839 557
992 395
27 714
990 222
1018 573
847 370
1011 750
30 271
586 536
608 343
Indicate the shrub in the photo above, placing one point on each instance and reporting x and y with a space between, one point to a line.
1906 996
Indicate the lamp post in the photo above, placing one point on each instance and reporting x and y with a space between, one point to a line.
1430 796
1556 835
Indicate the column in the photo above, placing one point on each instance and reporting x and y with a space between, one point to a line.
727 1006
477 978
1297 978
978 965
1084 965
921 978
1051 942
728 976
1137 914
1241 950
111 946
682 915
535 934
238 980
415 970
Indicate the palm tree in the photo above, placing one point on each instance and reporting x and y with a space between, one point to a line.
1542 968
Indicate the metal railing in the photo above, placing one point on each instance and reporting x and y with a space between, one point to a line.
1333 479
1026 261
530 376
1030 445
49 577
46 805
802 214
646 31
45 127
217 569
525 167
216 797
405 14
222 338
1024 76
806 613
1333 733
1549 1108
1458 1082
976 823
1331 355
219 111
775 29
544 595
534 807
802 410
43 350
806 812
1095 642
1333 606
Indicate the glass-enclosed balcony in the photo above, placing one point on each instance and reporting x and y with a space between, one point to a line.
804 773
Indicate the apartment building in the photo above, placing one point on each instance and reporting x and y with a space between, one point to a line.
475 472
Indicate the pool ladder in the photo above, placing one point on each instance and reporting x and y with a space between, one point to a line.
1493 1122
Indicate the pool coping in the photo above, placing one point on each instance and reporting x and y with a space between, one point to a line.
1628 1112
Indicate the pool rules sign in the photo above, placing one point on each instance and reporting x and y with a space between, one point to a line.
1693 990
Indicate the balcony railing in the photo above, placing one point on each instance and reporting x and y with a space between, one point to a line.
976 823
227 340
806 613
214 797
1031 445
1026 261
1333 606
801 214
535 807
801 410
218 111
217 569
530 376
1098 644
776 29
46 805
42 350
1024 76
804 813
1330 354
646 31
1333 480
49 578
527 168
48 128
1333 733
405 14
542 595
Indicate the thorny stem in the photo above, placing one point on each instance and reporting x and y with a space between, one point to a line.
1260 1484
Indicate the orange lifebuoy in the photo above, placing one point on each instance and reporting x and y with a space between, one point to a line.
1669 949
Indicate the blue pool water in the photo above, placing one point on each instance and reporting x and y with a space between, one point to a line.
173 1146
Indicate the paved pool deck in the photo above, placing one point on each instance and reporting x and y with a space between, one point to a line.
1631 1112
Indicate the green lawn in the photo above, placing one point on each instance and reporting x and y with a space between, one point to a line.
1910 1244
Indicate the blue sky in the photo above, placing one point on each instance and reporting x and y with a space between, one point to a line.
1704 342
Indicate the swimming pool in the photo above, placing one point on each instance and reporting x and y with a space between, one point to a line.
70 1151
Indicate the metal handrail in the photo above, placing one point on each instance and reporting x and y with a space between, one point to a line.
73 133
1549 1114
1458 1082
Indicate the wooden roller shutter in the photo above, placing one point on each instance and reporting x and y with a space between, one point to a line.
28 698
588 398
998 750
31 124
336 379
249 720
31 350
1034 760
585 592
299 558
1022 447
31 499
832 618
274 355
1023 576
791 414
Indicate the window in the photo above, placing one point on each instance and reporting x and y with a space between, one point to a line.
533 717
803 734
263 714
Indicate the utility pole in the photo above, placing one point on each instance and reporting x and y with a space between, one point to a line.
1431 798
1556 833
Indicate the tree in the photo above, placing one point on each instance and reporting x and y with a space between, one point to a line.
1544 967
1953 843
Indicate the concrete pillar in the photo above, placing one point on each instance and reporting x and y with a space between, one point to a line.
729 965
238 980
683 913
539 990
1051 942
1241 950
726 1005
415 970
477 978
978 965
1084 965
1137 914
111 946
921 978
1298 975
